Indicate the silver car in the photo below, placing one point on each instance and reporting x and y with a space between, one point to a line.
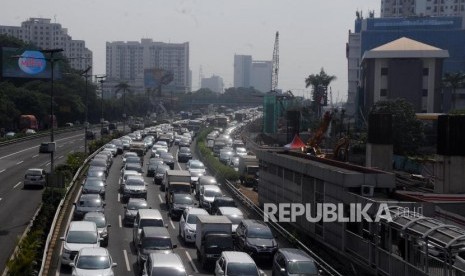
93 261
102 226
34 177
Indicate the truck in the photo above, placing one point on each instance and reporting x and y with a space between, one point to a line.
248 170
137 147
213 235
28 122
175 176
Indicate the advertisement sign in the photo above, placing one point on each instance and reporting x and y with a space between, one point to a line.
155 77
27 63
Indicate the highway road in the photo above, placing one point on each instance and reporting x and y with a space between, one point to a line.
120 238
17 206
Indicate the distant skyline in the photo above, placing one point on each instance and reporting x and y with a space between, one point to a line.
313 34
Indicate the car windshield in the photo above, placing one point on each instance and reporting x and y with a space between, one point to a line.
184 150
260 233
192 219
156 243
82 237
242 269
195 165
134 182
133 160
90 203
34 172
210 193
136 205
99 221
307 268
183 200
96 183
151 222
93 262
172 271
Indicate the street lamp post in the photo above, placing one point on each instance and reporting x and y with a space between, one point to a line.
101 80
52 119
86 123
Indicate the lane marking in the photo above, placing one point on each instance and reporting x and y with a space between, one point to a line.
60 146
46 164
177 163
119 221
118 197
71 151
191 262
35 156
161 199
2 170
81 147
17 184
19 162
60 157
126 260
172 224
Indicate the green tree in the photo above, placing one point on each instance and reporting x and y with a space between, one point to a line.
453 81
319 83
407 131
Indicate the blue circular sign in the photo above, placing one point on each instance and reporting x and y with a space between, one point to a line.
32 62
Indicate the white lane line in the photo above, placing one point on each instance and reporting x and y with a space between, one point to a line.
81 147
161 199
71 142
118 197
60 157
46 164
60 146
2 170
35 156
126 260
17 184
172 224
71 151
19 162
1 199
119 222
191 262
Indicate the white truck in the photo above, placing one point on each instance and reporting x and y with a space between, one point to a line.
175 176
213 236
248 170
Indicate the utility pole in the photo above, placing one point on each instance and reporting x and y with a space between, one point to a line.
101 80
86 123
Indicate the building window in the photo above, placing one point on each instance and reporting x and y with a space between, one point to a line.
425 71
424 92
383 92
384 71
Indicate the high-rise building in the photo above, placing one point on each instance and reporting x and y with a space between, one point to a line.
252 73
126 61
214 83
46 35
405 8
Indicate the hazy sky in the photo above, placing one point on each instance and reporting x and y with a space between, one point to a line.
313 33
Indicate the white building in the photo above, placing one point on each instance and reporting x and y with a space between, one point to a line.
126 61
405 8
252 73
46 35
214 83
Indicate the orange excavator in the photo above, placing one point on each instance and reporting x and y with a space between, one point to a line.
313 143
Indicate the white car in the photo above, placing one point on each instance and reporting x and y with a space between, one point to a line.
80 234
34 177
234 214
188 223
124 177
208 194
126 155
236 263
241 151
93 261
112 148
196 169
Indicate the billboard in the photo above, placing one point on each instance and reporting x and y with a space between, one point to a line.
27 63
155 77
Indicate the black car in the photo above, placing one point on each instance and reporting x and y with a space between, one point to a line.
131 209
178 204
90 135
255 238
88 203
160 173
104 131
152 165
94 185
184 154
134 167
168 159
221 201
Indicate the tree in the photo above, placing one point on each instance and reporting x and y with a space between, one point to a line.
123 86
453 81
319 83
407 131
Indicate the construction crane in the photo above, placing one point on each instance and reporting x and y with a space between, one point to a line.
275 69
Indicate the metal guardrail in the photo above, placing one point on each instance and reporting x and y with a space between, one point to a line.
38 135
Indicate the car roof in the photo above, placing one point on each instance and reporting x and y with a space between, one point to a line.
82 226
237 257
294 254
35 170
93 251
211 187
150 213
197 211
226 210
94 215
254 223
132 199
166 260
90 197
152 231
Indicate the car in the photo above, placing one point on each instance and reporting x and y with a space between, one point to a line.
236 263
80 234
152 166
256 239
134 186
132 160
88 203
234 214
178 203
160 173
44 147
97 162
221 201
131 209
153 239
119 145
133 167
196 168
164 264
144 218
93 261
128 154
184 142
96 174
90 135
10 134
112 148
35 177
208 194
184 154
30 131
293 261
102 225
124 177
94 186
104 131
204 180
168 159
188 223
225 156
241 151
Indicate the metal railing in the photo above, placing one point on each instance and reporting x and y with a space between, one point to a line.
38 135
